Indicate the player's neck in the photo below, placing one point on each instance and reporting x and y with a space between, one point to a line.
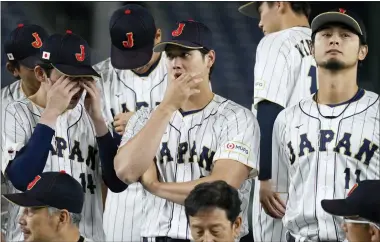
336 87
294 21
70 235
39 98
29 87
200 100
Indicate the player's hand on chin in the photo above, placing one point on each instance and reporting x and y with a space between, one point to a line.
271 201
92 101
180 88
120 122
150 180
58 98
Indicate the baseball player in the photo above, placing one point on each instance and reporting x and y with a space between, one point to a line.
193 136
361 211
285 72
133 77
22 48
52 131
330 141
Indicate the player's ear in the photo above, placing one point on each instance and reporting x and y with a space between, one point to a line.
282 6
63 218
363 51
236 226
210 58
12 69
374 232
40 73
157 37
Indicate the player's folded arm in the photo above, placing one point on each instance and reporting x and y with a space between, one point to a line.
235 160
139 144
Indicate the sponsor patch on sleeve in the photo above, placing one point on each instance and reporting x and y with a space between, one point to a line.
237 147
259 85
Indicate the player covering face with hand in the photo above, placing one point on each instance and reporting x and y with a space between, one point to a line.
193 136
52 131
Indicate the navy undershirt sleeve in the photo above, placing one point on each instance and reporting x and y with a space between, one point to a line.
30 160
108 146
266 116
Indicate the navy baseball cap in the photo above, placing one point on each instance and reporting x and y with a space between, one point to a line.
188 34
51 189
69 53
363 201
24 43
133 31
342 16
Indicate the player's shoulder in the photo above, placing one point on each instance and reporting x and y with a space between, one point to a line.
233 111
11 91
103 66
370 97
18 106
288 113
283 40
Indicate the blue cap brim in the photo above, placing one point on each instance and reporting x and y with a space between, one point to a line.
131 58
182 43
23 200
338 207
76 71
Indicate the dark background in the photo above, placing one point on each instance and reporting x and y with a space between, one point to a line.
235 35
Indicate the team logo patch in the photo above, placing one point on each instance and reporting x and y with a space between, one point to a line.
34 182
129 43
259 85
37 43
10 56
237 148
82 55
179 30
45 55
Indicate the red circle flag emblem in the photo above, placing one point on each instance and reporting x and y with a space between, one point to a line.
230 146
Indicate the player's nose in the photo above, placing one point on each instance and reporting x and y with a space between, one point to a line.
334 40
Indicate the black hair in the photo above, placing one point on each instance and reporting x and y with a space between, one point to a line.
204 52
211 195
16 65
297 7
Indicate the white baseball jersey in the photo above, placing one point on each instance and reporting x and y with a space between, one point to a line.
125 91
9 94
12 92
191 145
285 72
73 149
324 158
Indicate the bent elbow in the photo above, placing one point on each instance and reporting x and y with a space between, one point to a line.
123 171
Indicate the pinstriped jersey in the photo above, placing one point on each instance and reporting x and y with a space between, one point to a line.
124 91
324 158
73 149
285 72
189 148
12 92
9 93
